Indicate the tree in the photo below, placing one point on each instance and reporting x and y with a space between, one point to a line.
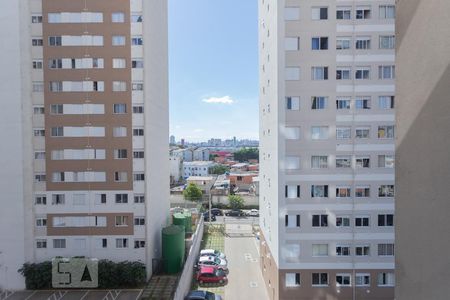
192 193
246 154
219 169
212 157
236 201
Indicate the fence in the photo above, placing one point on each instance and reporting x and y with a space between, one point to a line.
185 280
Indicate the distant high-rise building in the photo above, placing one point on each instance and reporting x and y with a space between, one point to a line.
327 148
182 142
85 90
422 179
172 140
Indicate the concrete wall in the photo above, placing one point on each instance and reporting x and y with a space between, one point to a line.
422 157
178 200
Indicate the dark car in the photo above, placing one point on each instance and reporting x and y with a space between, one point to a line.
206 216
234 213
216 211
202 295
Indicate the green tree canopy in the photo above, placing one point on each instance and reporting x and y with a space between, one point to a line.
219 169
192 193
236 201
246 154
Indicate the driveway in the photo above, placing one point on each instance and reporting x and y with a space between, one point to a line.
245 280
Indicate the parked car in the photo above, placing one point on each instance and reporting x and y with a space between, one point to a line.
213 261
253 213
206 216
202 295
212 252
208 274
234 213
216 211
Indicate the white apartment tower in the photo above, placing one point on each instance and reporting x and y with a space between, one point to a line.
84 157
327 148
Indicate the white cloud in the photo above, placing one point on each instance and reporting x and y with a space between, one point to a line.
221 100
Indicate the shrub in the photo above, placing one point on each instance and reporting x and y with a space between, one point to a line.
37 275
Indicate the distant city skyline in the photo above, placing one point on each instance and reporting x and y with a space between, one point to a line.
213 69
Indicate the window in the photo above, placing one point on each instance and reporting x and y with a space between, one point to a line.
41 222
41 244
40 200
136 18
139 244
319 191
55 63
120 108
119 63
120 176
138 109
363 162
343 280
343 161
343 133
319 102
137 41
319 13
319 43
38 110
56 86
292 103
100 199
292 221
54 40
138 154
139 199
386 72
292 191
319 279
386 220
139 221
292 73
118 17
362 13
342 221
343 43
343 13
386 279
292 279
37 64
320 250
138 132
121 221
121 243
386 191
319 73
137 63
57 131
319 132
362 42
119 86
291 43
118 40
56 109
101 243
320 221
343 73
386 161
387 12
38 87
362 73
39 178
59 243
343 192
362 103
363 250
119 131
291 13
37 42
137 86
58 199
387 42
291 163
386 102
343 103
362 279
319 162
120 153
121 198
39 155
139 177
362 133
36 19
362 222
362 191
386 132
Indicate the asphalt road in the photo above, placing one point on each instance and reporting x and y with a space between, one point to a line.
76 295
245 280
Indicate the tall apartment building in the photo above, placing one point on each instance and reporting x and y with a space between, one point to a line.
422 165
84 157
327 148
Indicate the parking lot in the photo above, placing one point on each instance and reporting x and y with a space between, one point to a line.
75 295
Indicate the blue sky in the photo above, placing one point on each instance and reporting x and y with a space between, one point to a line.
213 66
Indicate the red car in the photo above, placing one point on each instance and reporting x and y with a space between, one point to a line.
211 275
